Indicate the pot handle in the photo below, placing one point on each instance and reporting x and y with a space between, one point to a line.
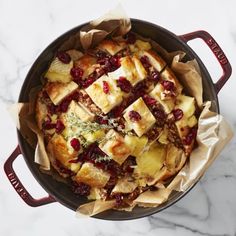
18 186
218 52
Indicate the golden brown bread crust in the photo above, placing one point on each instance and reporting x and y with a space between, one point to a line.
92 176
58 91
156 61
58 149
87 63
111 46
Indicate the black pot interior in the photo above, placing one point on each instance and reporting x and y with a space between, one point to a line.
62 192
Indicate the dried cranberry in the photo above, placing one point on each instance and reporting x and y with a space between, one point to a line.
52 109
116 112
124 84
76 73
178 114
149 100
101 54
113 168
86 83
64 57
155 76
45 95
190 136
59 126
106 87
134 116
115 61
130 38
81 188
160 116
48 125
127 166
75 144
140 89
168 85
63 107
101 120
145 62
110 63
75 96
119 199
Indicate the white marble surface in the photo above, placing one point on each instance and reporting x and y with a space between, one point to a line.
26 28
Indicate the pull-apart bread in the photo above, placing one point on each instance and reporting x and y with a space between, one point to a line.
115 119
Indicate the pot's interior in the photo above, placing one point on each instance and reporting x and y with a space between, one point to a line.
62 192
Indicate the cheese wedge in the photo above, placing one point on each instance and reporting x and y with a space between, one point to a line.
91 175
147 119
58 91
115 147
105 101
59 71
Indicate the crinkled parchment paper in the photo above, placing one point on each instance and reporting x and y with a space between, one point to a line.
213 130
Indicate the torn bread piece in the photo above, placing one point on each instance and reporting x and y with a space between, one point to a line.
115 147
88 64
58 91
156 61
146 120
168 74
158 94
125 185
112 47
105 100
131 68
59 71
91 175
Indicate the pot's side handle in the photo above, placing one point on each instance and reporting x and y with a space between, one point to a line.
18 186
218 52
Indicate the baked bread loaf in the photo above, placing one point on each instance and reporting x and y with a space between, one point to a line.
115 119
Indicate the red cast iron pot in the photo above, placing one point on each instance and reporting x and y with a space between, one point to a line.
59 192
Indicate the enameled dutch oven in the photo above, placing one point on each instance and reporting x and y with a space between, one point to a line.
59 192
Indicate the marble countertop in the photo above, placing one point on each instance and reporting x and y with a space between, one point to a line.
26 28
